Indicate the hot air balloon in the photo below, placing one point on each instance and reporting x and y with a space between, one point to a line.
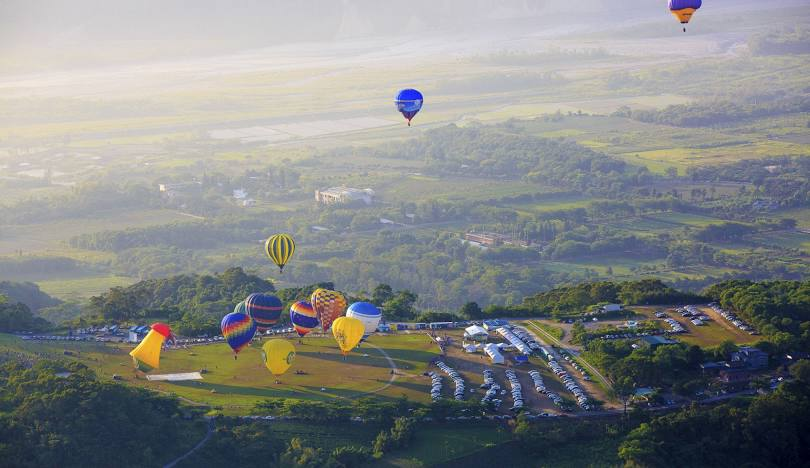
328 305
240 308
264 309
684 9
278 355
347 332
280 248
238 329
303 317
146 355
409 102
367 313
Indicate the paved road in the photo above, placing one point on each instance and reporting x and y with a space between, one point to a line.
199 445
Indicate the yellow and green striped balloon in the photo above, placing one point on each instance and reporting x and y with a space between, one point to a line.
280 248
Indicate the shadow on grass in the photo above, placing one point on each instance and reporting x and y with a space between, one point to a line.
374 358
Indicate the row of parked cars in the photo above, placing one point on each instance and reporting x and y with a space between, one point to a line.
435 385
493 390
517 389
674 325
731 317
63 338
570 384
575 364
540 386
459 393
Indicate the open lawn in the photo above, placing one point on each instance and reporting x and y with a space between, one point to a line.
236 386
76 289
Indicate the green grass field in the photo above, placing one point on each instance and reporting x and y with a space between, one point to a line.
77 289
237 385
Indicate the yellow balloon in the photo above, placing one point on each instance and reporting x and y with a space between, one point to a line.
278 355
348 332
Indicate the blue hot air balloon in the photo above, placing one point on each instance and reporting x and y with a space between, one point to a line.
409 103
264 309
367 313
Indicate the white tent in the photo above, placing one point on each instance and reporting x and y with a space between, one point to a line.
492 351
476 333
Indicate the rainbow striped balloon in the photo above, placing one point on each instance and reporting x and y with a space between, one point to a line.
303 317
238 329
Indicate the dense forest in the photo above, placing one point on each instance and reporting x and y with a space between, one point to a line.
56 414
16 316
703 114
194 303
780 310
767 432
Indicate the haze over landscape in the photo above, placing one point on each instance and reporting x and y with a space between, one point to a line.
568 156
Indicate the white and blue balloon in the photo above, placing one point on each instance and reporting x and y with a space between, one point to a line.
367 313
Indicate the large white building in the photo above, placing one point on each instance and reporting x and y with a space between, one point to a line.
341 195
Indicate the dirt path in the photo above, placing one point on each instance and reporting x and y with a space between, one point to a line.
391 363
199 445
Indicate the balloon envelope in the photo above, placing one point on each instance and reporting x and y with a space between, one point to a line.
264 309
238 329
240 308
280 248
278 355
684 9
328 305
303 317
367 313
347 332
409 103
146 356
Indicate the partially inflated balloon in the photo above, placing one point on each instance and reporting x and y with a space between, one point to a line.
329 305
278 355
684 9
146 356
264 309
367 313
409 102
240 308
303 317
238 329
347 332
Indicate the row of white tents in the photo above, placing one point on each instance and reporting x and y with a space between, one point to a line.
494 353
459 393
527 338
514 340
